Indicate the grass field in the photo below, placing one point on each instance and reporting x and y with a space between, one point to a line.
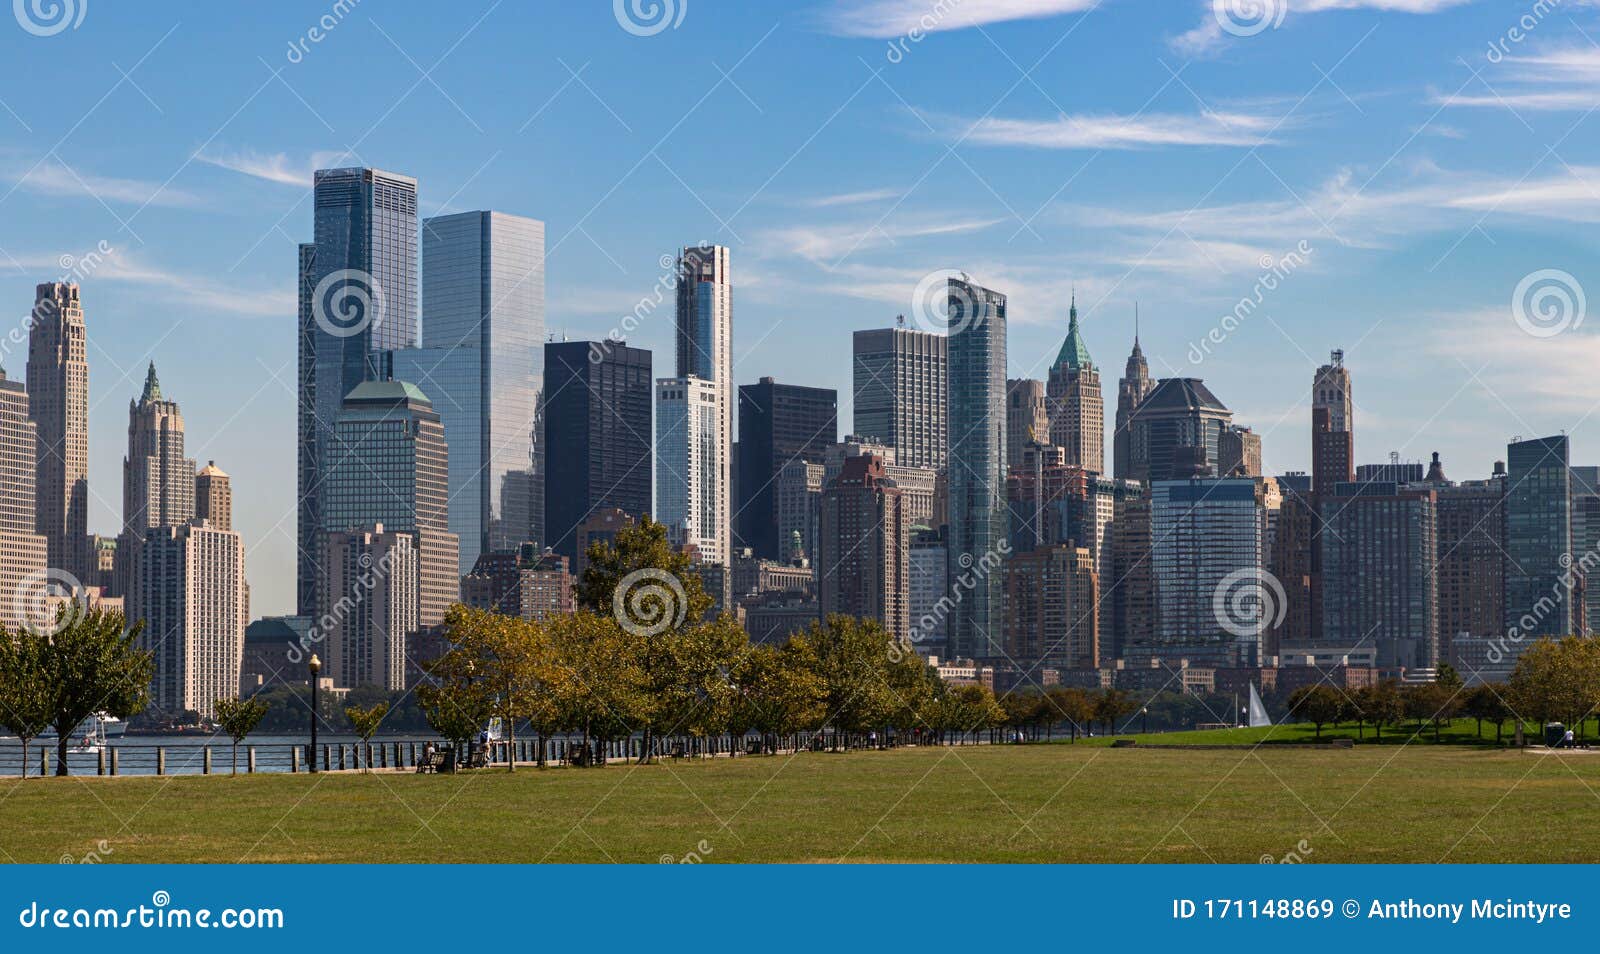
1058 803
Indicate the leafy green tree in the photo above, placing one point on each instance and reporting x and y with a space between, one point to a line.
1069 704
457 696
238 718
1319 705
366 722
1428 702
24 692
596 675
779 691
1111 705
1486 702
93 664
852 661
1381 705
1022 709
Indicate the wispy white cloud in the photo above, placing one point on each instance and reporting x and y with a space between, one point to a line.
827 244
1554 375
118 266
883 19
1554 80
55 178
1209 34
1113 131
277 167
853 198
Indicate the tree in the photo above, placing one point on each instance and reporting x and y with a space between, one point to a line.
1317 704
652 591
1382 705
1557 680
455 696
1426 702
1111 705
852 657
366 722
1487 701
238 718
778 691
93 664
596 675
1022 709
976 709
24 690
1068 703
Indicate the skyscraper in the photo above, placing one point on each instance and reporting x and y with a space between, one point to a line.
388 464
482 363
1472 527
1132 388
1205 534
977 462
1540 569
691 464
1077 408
1332 426
1027 418
213 496
901 389
189 589
58 400
158 482
704 335
1052 608
597 398
778 423
23 553
1379 574
358 299
1180 421
369 611
1239 453
863 568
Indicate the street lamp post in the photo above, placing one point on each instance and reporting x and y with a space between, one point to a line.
1144 724
315 666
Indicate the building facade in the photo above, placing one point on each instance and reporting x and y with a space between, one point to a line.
1027 418
24 554
1052 608
1077 406
1207 534
1176 427
189 589
692 467
158 482
368 618
901 387
1132 388
863 568
597 420
977 462
58 400
778 424
213 496
1379 573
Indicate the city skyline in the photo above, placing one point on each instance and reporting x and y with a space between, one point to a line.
1406 250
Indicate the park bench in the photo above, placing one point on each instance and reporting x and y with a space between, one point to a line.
443 760
677 750
752 746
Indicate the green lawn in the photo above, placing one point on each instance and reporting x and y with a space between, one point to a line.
1458 732
1061 803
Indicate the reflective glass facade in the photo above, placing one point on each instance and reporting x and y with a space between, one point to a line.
977 466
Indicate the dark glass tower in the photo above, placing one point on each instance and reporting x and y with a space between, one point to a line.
778 423
597 399
977 467
1539 564
358 299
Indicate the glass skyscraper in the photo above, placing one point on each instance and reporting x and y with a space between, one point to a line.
1539 560
482 365
977 467
358 299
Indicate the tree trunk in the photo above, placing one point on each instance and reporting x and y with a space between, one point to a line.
63 739
25 758
644 751
236 758
511 745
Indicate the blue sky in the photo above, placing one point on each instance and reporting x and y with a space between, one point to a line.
1133 149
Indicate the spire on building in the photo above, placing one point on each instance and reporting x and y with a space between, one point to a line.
1435 471
152 387
1074 354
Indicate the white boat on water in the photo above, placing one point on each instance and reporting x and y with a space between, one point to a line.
101 724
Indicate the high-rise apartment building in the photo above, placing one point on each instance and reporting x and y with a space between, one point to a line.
1052 608
691 467
799 493
1077 407
901 388
388 464
23 552
158 482
189 589
1540 568
358 300
1471 573
213 496
778 423
58 400
1207 534
1332 426
597 399
368 618
482 363
524 583
977 462
1239 453
704 336
863 567
1379 574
